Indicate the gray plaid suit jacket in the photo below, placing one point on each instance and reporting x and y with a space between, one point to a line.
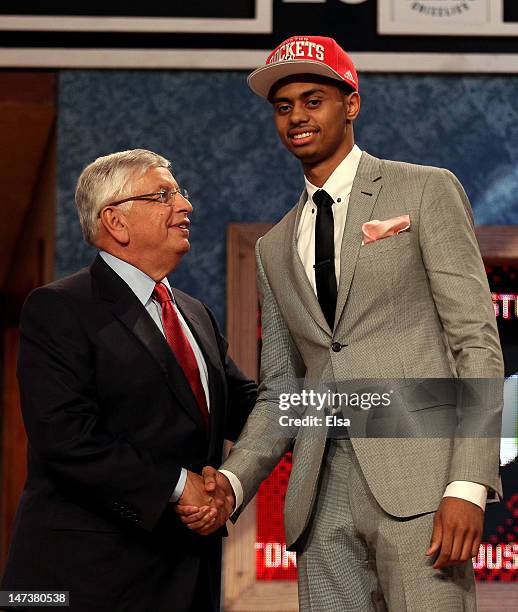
412 306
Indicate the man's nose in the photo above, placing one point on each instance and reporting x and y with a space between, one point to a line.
299 114
182 203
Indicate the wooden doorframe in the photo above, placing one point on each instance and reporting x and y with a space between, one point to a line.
242 592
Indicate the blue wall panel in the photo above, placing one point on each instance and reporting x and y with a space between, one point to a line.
224 149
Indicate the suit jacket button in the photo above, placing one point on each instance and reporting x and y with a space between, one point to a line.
336 347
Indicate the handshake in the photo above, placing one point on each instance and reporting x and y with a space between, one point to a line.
207 501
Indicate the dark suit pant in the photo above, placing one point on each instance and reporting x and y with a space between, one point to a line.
141 578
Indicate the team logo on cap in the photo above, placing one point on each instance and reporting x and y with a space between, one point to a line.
298 50
319 55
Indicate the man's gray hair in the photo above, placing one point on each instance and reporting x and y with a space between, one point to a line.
110 178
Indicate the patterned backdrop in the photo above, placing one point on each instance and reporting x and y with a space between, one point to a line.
221 140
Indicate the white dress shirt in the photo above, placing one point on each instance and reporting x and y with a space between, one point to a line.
339 186
143 286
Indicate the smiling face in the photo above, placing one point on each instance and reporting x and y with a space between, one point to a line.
314 120
150 235
159 233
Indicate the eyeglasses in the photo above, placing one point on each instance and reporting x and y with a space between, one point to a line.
165 196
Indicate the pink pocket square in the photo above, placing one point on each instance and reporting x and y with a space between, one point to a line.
376 230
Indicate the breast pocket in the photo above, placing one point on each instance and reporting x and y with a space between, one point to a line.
398 241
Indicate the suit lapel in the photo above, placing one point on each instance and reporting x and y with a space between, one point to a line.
126 307
365 191
302 284
212 359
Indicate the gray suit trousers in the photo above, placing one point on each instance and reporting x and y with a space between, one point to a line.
357 558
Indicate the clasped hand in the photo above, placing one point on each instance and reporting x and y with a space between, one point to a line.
207 501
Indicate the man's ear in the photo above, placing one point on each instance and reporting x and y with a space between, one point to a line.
115 223
352 106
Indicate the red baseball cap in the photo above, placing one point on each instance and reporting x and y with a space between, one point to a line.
304 55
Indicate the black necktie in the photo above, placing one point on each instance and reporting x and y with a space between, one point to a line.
325 255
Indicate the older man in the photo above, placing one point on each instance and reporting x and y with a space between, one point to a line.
126 392
368 277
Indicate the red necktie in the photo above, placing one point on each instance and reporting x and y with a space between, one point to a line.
181 348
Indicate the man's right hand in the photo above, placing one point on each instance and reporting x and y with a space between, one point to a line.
203 519
194 492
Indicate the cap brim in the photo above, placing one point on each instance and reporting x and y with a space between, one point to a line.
261 80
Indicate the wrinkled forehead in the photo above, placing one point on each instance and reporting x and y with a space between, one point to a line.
153 177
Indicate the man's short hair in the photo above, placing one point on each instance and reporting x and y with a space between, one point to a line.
109 178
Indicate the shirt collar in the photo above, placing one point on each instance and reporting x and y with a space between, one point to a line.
340 183
139 282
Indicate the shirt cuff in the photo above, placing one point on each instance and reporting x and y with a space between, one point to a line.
180 486
470 491
236 487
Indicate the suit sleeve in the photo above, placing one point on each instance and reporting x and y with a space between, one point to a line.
462 297
262 443
242 391
56 370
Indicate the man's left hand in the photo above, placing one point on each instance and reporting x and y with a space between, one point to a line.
457 532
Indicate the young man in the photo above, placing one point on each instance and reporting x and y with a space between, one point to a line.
367 277
126 392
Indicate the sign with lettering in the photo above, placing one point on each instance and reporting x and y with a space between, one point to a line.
449 17
388 35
